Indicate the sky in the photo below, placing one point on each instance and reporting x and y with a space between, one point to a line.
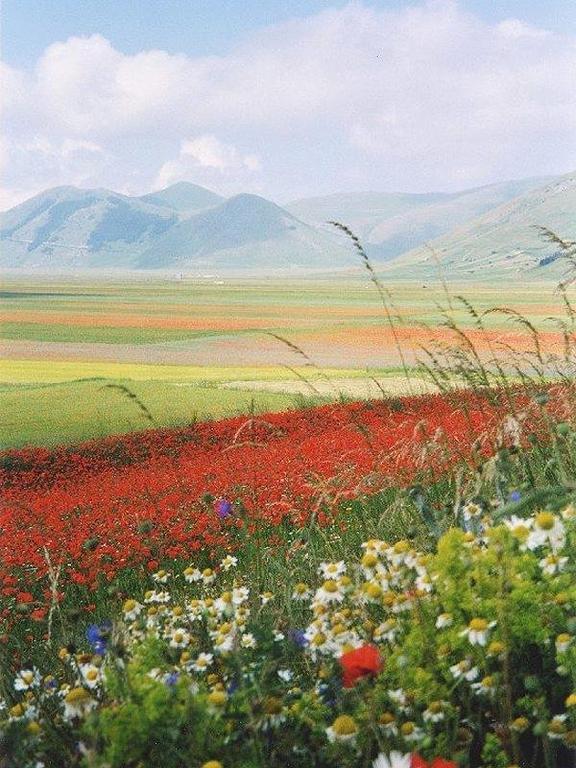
285 98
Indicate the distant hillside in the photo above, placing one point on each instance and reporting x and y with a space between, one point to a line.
188 227
246 231
69 227
506 239
361 211
184 198
391 224
184 225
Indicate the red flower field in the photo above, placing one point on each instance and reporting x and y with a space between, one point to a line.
99 507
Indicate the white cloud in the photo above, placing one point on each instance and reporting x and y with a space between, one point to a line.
205 159
423 97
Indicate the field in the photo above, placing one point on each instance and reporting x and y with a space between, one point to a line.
195 349
243 526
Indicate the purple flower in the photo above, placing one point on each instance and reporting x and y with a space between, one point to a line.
97 636
515 496
298 636
223 508
171 679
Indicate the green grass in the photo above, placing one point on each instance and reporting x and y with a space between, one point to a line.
103 335
71 412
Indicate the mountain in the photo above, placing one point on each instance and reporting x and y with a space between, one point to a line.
391 224
69 227
246 231
361 211
183 197
188 227
506 240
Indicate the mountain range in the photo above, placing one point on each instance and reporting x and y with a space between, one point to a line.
187 227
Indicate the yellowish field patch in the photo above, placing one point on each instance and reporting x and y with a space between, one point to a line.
41 371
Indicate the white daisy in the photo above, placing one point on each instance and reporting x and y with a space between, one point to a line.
548 529
393 760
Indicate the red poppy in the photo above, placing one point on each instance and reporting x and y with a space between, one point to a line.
438 762
358 663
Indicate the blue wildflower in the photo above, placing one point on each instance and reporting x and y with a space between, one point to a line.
298 636
98 636
171 678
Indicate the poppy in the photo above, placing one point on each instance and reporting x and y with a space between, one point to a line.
438 762
359 663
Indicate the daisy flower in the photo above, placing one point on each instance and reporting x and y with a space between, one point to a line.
329 592
563 642
26 679
91 675
332 570
192 574
344 728
77 703
179 638
486 686
444 620
552 564
301 591
548 529
477 631
248 640
393 760
229 562
203 661
464 670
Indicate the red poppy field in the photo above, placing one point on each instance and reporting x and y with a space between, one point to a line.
102 506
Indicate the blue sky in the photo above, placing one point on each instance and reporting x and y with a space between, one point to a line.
199 27
285 98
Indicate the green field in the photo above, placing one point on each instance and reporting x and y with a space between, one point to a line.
71 412
196 349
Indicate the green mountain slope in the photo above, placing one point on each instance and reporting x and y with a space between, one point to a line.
391 224
506 240
246 231
184 198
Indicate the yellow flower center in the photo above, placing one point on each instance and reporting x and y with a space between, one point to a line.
435 707
406 729
207 572
213 764
520 532
319 639
478 625
27 677
556 726
301 588
369 560
129 605
520 723
373 590
545 520
330 586
344 726
386 718
571 700
92 674
563 638
77 696
217 698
